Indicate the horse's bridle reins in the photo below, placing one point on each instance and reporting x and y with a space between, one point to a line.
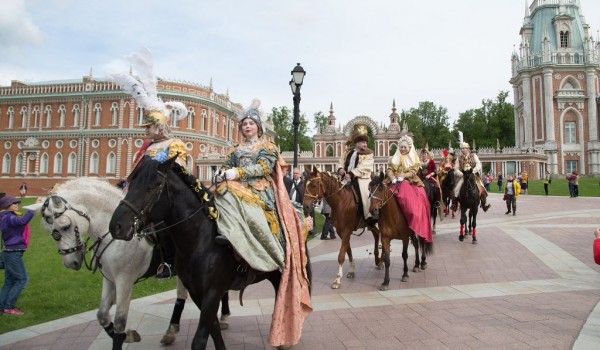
79 245
321 189
382 200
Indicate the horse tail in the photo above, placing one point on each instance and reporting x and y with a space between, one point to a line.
426 247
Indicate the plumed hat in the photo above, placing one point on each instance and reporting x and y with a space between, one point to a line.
445 153
253 112
359 133
7 201
465 145
143 89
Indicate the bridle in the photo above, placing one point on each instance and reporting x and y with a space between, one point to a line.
141 215
321 189
383 201
57 236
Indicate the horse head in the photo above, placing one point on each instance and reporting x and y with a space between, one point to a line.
379 195
67 226
319 185
148 189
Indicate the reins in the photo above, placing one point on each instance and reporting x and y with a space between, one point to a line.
321 189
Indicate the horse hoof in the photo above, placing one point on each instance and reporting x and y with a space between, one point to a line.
384 287
461 238
433 232
284 347
224 322
169 336
335 285
453 216
404 278
379 267
132 336
415 269
424 266
350 275
474 240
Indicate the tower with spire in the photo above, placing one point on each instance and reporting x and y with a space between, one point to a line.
554 77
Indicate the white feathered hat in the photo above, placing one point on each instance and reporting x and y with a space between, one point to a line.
143 89
253 112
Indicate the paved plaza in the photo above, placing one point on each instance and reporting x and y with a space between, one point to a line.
530 283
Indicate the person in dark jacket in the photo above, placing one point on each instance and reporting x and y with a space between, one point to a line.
15 236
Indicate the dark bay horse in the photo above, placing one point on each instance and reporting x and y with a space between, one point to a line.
345 216
430 193
447 186
393 225
469 201
165 192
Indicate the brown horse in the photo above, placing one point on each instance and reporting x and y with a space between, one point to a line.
345 216
393 225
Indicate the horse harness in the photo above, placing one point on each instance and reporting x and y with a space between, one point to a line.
80 246
383 201
321 189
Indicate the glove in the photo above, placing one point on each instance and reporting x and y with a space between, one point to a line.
400 179
231 174
394 181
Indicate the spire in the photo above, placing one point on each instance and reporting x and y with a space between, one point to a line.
90 72
210 85
526 19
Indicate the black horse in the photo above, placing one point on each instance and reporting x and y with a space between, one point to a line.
447 191
469 201
430 189
165 192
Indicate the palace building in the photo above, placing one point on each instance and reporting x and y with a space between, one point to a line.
54 131
555 74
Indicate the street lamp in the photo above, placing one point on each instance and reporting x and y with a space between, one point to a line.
298 74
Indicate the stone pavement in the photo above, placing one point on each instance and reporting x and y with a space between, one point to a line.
530 283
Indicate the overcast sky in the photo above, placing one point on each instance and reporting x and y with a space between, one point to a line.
359 55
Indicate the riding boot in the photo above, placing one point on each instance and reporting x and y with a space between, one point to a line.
484 206
166 269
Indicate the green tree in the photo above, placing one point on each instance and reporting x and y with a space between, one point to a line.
429 124
282 119
320 121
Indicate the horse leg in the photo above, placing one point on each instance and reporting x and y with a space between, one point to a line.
169 336
124 292
106 301
405 259
420 251
463 220
475 226
225 312
376 234
352 269
209 322
337 283
385 243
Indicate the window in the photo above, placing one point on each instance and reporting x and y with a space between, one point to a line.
329 151
44 164
23 117
111 163
36 116
203 118
570 133
6 164
140 117
189 162
48 112
11 117
94 163
174 121
98 114
571 166
62 111
19 164
75 111
58 163
72 164
190 118
114 111
564 38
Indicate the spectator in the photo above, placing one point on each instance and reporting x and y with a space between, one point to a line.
499 182
327 226
23 189
511 193
597 246
15 237
571 178
486 182
524 181
576 184
547 181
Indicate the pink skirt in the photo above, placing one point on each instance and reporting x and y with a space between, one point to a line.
415 207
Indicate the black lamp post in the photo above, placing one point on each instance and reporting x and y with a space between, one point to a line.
298 74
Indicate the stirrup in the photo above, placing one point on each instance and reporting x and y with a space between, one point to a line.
436 204
165 271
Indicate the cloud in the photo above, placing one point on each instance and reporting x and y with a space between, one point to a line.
16 26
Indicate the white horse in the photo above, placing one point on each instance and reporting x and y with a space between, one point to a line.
86 205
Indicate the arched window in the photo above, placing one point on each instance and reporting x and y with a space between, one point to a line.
94 163
48 112
6 164
44 164
62 111
114 112
329 151
36 116
57 164
174 121
189 163
11 117
23 117
19 163
72 164
190 118
75 111
111 163
140 118
98 114
203 118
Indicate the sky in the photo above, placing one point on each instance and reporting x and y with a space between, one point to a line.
359 55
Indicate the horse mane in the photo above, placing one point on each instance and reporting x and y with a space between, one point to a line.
91 193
